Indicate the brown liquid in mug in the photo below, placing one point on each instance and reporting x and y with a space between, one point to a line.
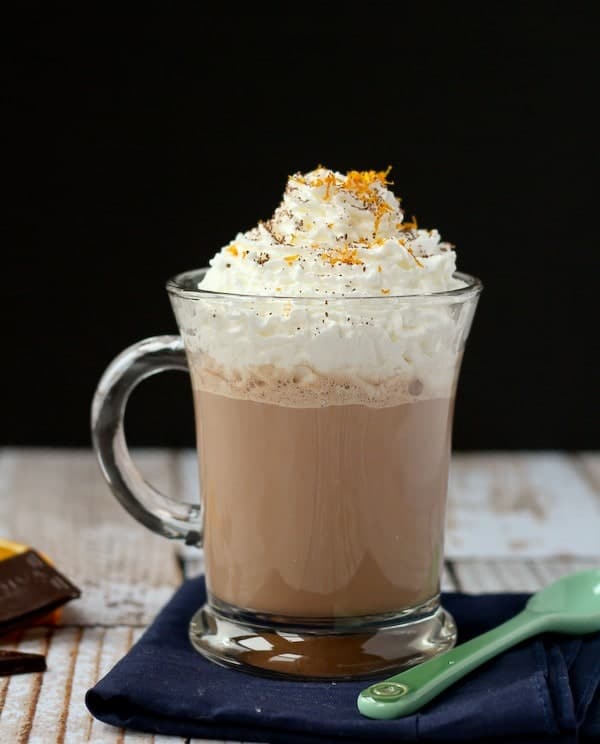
323 512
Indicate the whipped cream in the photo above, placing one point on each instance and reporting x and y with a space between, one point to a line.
338 235
328 283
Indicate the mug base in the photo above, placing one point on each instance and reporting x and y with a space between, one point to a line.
346 650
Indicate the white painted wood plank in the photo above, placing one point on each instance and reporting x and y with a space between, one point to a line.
475 577
193 562
520 505
58 502
479 576
138 737
551 570
16 718
189 487
189 480
85 674
590 462
51 711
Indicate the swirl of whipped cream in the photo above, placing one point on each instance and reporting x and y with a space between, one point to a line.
326 318
335 234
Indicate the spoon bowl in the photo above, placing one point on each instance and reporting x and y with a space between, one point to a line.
571 604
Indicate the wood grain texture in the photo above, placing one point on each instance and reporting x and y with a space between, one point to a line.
52 710
86 672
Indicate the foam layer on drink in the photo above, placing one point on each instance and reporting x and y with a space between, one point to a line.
304 387
336 298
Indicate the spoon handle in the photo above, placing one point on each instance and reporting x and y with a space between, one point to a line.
408 691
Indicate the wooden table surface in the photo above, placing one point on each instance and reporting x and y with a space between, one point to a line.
515 522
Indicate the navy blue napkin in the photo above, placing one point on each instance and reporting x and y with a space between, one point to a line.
547 689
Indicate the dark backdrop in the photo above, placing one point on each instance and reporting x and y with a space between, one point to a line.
140 141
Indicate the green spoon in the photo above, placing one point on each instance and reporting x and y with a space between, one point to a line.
570 605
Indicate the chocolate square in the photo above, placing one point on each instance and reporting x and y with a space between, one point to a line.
29 589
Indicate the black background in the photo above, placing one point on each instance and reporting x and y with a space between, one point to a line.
140 141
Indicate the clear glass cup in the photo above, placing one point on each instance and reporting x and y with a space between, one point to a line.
324 440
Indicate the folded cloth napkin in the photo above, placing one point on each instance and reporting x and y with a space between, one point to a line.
546 689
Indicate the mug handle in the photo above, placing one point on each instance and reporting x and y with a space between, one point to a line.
160 513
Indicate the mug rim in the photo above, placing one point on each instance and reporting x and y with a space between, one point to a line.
179 286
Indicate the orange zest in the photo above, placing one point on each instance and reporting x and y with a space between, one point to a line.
410 250
368 187
360 184
406 226
343 255
380 210
329 183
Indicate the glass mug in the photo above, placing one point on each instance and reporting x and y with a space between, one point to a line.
323 492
